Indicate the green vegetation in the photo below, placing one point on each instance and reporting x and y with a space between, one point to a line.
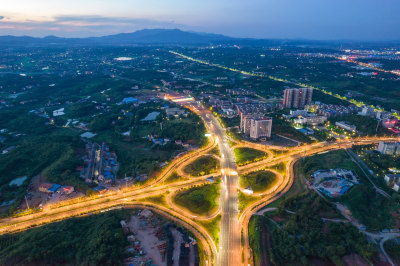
94 240
174 177
377 162
279 167
230 122
245 200
216 151
364 124
392 248
54 156
201 200
299 186
234 134
248 155
329 160
259 181
368 207
279 152
136 154
371 208
284 238
202 166
284 128
213 227
159 199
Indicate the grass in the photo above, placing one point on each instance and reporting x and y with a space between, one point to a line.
202 166
215 151
213 227
279 167
256 241
298 187
259 181
159 199
245 200
330 160
248 155
279 152
201 200
174 177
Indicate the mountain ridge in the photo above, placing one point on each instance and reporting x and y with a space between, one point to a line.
163 37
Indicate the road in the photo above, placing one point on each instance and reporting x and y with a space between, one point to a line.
232 225
229 239
229 248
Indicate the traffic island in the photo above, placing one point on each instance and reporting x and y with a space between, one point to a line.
246 155
204 165
199 200
258 181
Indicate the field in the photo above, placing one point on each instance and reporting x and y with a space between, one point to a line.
201 200
202 166
259 181
245 156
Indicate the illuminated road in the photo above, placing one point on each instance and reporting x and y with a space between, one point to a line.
230 249
353 101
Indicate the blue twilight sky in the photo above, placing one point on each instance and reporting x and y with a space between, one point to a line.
309 19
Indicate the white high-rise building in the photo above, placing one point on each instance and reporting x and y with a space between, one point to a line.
245 123
261 128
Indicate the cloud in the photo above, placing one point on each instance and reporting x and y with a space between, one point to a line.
80 26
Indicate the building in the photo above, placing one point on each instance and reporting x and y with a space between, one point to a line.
261 127
297 98
393 181
367 111
174 111
311 120
68 189
44 187
389 122
346 126
245 123
389 147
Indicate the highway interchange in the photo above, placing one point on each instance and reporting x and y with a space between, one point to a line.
233 248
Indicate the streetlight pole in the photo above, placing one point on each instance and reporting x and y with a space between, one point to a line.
27 204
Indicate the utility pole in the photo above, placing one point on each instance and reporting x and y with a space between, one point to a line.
27 204
377 125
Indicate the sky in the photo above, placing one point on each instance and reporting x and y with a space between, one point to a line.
283 19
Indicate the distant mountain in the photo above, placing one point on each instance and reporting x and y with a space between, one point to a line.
146 36
160 36
174 37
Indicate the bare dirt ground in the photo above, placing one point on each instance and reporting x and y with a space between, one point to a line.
354 260
148 240
177 245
